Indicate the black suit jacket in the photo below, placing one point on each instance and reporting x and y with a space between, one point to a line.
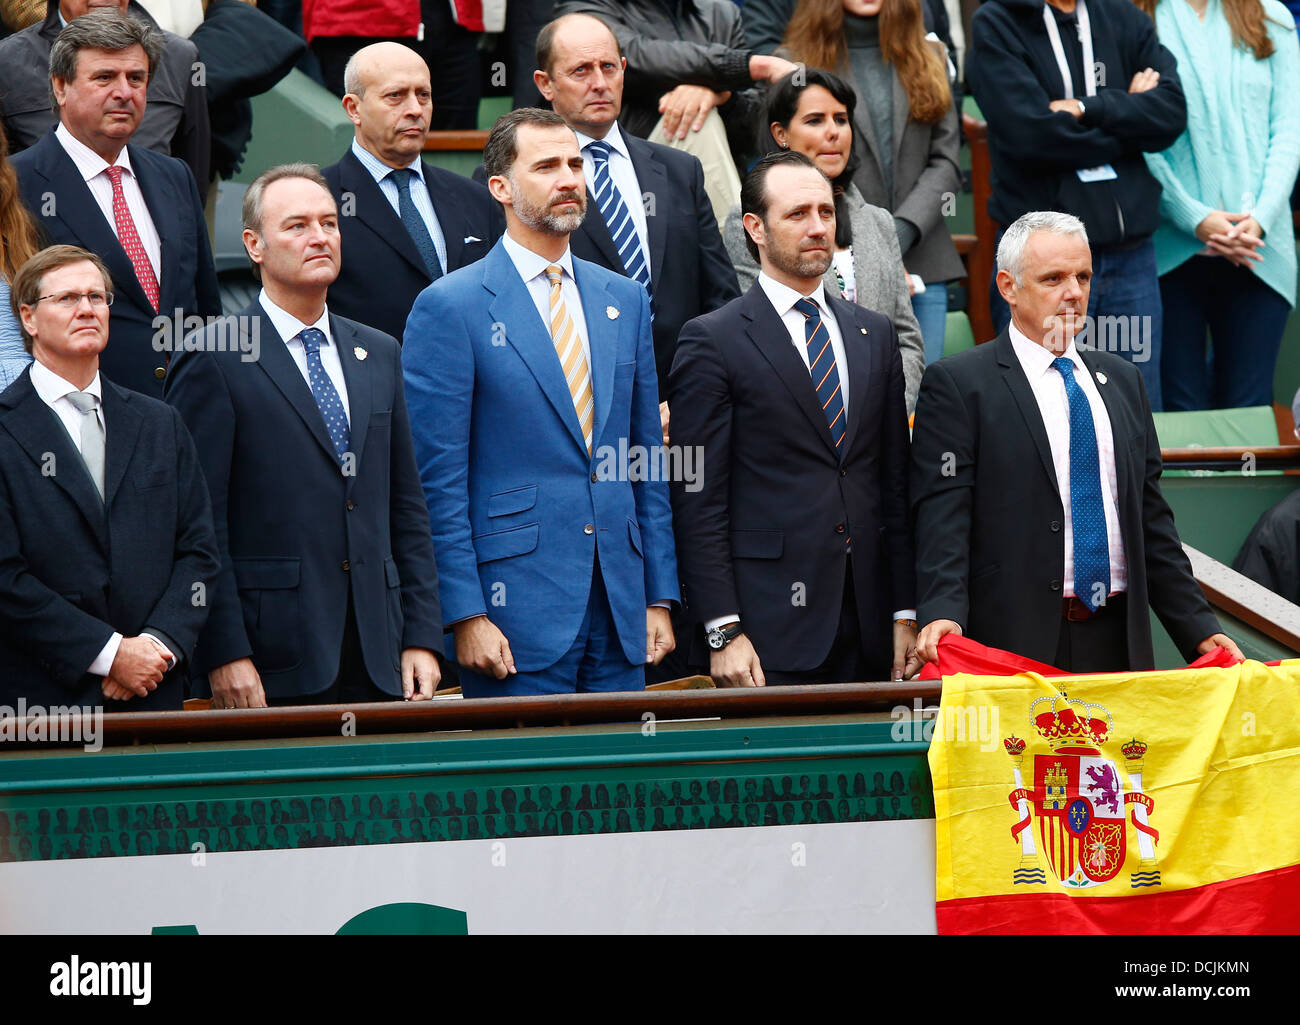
382 271
298 538
55 193
690 272
989 518
74 569
767 532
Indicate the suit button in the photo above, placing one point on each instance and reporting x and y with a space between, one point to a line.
593 478
588 529
1056 585
159 373
345 566
843 472
1056 526
839 528
351 505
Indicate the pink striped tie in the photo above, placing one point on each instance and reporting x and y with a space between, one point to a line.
130 239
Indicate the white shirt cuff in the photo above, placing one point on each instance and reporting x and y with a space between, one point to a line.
660 605
103 663
906 614
713 624
171 658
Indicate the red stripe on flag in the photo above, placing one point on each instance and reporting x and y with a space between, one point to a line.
1266 902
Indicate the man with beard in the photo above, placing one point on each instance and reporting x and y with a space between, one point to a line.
531 383
795 552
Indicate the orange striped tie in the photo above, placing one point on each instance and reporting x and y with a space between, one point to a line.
568 346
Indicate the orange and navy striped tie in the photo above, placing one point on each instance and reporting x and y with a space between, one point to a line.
568 346
825 375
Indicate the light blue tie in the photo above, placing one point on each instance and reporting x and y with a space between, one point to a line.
324 392
415 226
1087 514
621 226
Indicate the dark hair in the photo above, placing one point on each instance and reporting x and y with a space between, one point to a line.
26 286
546 39
103 29
500 150
753 190
782 105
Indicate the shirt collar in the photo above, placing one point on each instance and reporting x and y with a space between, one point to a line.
614 137
287 326
88 162
1036 360
783 297
377 168
51 387
529 264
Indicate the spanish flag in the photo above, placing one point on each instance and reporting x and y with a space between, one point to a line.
1144 802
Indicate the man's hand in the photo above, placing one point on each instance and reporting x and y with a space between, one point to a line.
1071 107
1144 81
907 663
927 642
1220 641
659 641
114 691
138 666
763 68
482 647
686 107
663 421
237 685
420 674
736 665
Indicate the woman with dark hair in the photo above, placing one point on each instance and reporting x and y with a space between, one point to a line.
815 118
1225 248
908 127
18 243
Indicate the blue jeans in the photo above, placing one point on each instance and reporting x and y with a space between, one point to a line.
1125 314
1245 319
931 309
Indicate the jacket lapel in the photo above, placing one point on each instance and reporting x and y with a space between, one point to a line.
595 228
377 214
602 337
1014 376
902 115
449 219
1118 413
122 428
359 377
162 202
859 352
653 179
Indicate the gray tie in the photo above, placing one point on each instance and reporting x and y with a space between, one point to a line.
92 437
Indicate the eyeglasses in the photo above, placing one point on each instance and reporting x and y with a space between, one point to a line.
71 300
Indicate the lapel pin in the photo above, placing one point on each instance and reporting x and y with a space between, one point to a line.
863 330
611 312
360 353
1101 378
470 238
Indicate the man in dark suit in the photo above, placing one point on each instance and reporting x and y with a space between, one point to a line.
796 553
135 209
107 550
1040 527
650 196
405 223
328 590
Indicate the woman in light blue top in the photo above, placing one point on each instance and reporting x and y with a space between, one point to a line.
1225 250
18 243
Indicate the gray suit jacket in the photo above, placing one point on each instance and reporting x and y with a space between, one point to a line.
877 268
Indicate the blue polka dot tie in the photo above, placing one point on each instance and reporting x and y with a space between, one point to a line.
1087 515
323 390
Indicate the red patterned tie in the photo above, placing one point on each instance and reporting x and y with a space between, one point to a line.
130 239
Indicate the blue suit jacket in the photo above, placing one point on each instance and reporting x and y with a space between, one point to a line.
299 538
53 190
519 510
74 569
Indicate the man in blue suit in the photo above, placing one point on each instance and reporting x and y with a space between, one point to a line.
328 591
136 210
531 377
107 551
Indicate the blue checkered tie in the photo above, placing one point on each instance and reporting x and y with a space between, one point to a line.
415 225
324 392
1087 514
621 226
825 375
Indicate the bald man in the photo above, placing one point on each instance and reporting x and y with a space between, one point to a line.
403 223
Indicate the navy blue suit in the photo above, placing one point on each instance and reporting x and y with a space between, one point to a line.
519 510
382 272
74 569
53 190
299 538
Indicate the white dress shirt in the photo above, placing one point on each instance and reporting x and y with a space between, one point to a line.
783 297
1054 405
380 171
532 268
53 390
288 327
623 174
92 167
